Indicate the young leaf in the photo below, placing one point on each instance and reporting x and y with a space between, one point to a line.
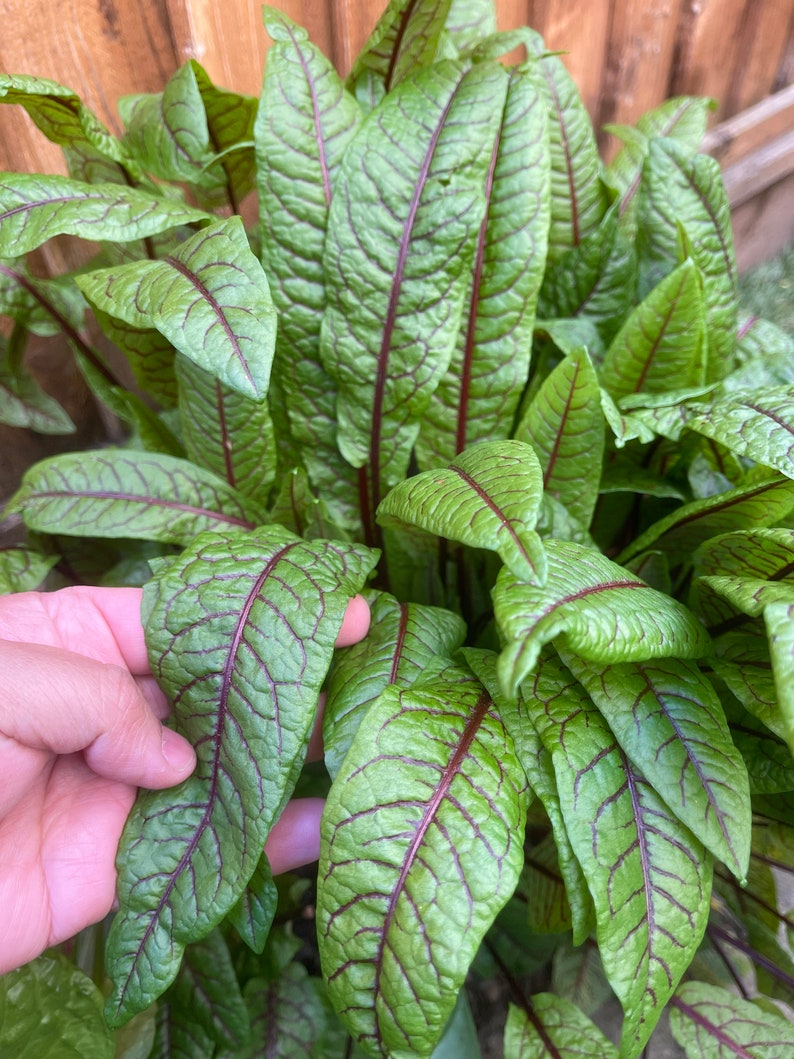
405 38
243 667
680 191
207 993
35 208
116 493
668 720
303 126
401 232
210 299
404 643
229 434
595 608
555 1028
488 498
649 878
422 845
253 915
712 1023
476 400
579 197
49 1007
565 426
662 343
756 504
758 424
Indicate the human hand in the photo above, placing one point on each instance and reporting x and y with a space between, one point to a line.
80 731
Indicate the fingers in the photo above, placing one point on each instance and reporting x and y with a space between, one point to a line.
295 837
62 702
355 625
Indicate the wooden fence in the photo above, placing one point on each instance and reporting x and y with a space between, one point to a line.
626 56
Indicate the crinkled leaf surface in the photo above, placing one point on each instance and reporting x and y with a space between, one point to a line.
303 126
712 1023
488 497
242 663
34 208
405 641
149 354
49 1008
230 120
662 343
229 434
667 718
210 299
470 21
649 877
553 1028
550 680
178 1037
758 423
400 241
23 569
207 992
683 191
406 37
422 845
253 915
565 426
756 504
579 197
597 609
477 398
120 493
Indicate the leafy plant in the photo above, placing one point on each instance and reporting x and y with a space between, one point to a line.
459 358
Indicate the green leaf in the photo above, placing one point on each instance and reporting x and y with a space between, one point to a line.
595 608
51 1008
780 629
226 433
470 21
684 192
402 231
565 426
210 299
178 1037
243 667
149 354
23 569
766 354
661 346
758 424
296 507
668 720
488 498
422 845
59 113
712 1023
34 208
477 398
230 121
253 915
116 493
577 975
405 642
579 197
23 403
550 680
553 1028
649 877
304 124
756 504
405 38
207 993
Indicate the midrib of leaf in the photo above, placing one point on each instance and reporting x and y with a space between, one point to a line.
395 52
710 1028
149 501
25 207
567 153
487 500
769 415
226 441
555 451
318 133
184 860
399 643
193 279
468 352
451 770
391 312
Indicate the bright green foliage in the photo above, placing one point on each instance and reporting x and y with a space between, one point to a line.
455 354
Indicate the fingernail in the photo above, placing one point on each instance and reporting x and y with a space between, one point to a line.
178 752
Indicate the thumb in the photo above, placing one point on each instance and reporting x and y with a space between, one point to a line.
63 702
